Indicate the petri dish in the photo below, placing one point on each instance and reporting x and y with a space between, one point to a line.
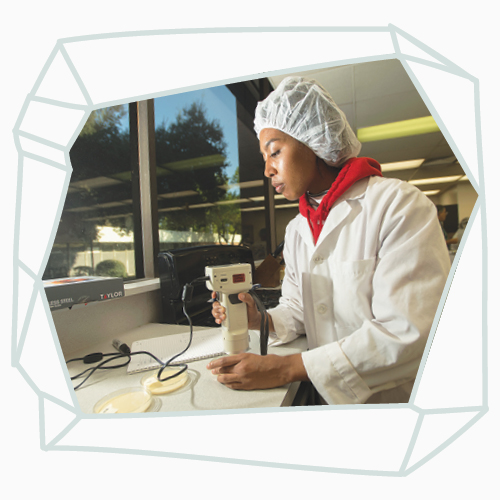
132 400
151 383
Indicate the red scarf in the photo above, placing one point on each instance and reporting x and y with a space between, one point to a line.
353 170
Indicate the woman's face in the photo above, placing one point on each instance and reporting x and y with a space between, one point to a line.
442 215
292 166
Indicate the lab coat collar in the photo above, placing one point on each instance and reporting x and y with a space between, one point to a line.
340 210
354 170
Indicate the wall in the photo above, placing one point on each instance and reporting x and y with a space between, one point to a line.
449 197
85 325
467 198
463 195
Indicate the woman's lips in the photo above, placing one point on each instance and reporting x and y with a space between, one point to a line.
279 187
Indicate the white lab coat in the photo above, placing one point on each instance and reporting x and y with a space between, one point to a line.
366 294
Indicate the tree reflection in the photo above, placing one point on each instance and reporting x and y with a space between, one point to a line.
191 157
101 178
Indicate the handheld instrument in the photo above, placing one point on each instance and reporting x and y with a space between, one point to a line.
228 281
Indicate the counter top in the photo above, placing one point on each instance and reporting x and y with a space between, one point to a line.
202 392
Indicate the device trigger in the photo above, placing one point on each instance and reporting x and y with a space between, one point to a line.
233 298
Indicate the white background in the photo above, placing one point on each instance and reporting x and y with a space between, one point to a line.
31 29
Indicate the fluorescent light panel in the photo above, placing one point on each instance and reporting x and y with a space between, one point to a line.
232 202
435 180
241 185
404 128
402 165
178 194
287 205
252 209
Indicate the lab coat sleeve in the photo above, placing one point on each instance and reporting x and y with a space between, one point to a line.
410 272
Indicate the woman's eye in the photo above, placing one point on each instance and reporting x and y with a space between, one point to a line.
276 153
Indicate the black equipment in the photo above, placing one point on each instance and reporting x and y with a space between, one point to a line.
180 266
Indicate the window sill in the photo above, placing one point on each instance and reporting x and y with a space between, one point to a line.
141 286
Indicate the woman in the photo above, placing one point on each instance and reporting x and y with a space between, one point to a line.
365 260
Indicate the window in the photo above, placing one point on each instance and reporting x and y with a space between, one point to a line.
167 173
196 145
210 174
96 232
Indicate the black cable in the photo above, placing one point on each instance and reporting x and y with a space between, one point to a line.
125 350
100 366
264 323
183 366
187 295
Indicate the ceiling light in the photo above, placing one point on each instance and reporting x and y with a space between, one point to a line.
435 180
216 160
95 182
199 205
186 207
402 165
432 192
287 205
252 209
231 202
178 194
404 128
246 184
170 209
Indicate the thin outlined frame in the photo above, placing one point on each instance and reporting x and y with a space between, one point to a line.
57 399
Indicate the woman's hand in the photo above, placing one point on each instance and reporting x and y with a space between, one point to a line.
250 371
219 312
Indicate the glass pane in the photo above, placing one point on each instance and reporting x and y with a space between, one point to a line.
197 169
96 231
210 172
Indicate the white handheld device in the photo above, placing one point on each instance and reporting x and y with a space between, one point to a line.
228 281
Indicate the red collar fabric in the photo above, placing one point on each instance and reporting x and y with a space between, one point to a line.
352 171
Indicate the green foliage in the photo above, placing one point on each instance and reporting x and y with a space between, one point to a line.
113 268
197 142
191 156
104 118
191 139
102 148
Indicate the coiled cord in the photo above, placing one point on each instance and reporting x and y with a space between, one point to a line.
187 295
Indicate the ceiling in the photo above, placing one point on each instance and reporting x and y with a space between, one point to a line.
380 92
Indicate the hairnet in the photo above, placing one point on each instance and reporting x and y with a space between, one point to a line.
304 110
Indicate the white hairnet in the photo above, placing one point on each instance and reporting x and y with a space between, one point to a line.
304 110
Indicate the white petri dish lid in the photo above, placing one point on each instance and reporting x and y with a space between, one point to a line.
151 383
131 400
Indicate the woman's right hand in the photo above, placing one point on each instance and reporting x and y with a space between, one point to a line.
219 312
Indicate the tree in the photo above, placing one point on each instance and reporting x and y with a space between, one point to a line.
102 149
191 156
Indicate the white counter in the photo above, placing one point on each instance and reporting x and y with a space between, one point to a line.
203 392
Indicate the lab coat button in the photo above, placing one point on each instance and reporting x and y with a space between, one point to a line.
321 309
318 259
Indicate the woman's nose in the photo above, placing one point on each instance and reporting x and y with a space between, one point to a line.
269 171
